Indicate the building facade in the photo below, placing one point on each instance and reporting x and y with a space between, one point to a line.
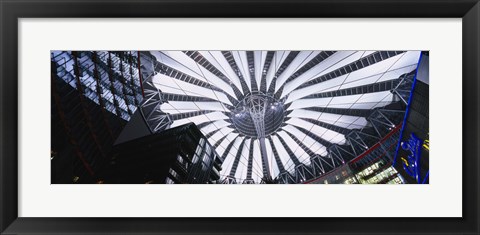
180 155
93 95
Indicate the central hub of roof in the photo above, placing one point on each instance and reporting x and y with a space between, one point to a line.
257 109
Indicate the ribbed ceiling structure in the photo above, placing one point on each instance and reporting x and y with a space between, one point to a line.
311 101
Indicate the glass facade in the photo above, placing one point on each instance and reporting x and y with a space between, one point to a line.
110 79
379 173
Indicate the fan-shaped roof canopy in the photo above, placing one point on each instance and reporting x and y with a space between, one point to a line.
311 100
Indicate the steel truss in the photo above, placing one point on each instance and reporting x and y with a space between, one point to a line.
381 121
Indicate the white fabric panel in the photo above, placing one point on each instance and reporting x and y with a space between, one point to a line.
259 61
336 83
304 103
257 171
173 107
346 81
208 55
316 71
409 57
228 162
395 64
301 59
222 64
324 133
331 118
359 123
390 75
240 58
170 85
329 85
301 155
345 61
282 154
306 140
219 134
379 68
270 73
214 126
362 101
167 85
340 139
345 121
241 172
186 63
385 70
277 60
385 101
173 87
200 119
179 61
222 147
168 108
274 170
216 81
302 113
367 53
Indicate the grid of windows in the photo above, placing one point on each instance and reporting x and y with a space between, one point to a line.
110 79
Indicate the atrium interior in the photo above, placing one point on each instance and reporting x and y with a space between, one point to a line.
240 117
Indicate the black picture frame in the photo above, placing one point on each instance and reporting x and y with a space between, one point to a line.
12 10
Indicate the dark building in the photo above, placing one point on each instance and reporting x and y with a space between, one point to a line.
412 159
177 155
93 95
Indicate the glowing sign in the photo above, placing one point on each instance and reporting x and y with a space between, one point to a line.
426 143
411 164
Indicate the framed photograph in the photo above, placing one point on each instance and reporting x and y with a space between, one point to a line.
239 117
